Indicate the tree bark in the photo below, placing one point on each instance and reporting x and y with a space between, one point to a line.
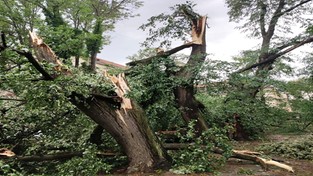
128 126
93 59
76 61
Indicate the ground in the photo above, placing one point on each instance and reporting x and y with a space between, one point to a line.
239 167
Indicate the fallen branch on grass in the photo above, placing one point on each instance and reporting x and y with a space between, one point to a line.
240 154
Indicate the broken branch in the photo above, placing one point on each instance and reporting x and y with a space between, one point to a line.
273 57
161 54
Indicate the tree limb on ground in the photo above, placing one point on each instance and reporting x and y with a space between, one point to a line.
240 154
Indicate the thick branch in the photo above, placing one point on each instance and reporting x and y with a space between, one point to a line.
274 19
34 62
293 7
273 57
163 54
11 99
58 156
262 17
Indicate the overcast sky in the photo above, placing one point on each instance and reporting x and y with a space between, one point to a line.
223 40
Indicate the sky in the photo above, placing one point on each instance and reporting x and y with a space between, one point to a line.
223 39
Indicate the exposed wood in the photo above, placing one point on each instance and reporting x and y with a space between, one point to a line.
198 31
5 152
265 163
44 52
121 88
128 125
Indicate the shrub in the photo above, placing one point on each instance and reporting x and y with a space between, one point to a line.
299 149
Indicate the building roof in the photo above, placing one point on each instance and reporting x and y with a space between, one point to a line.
109 63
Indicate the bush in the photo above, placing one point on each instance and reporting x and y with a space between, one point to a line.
87 165
298 149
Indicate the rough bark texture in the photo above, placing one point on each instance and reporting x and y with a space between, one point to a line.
190 108
130 129
76 61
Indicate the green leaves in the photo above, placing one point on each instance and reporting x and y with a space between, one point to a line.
302 148
165 28
199 155
152 88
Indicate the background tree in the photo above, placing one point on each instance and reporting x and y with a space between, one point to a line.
18 17
270 21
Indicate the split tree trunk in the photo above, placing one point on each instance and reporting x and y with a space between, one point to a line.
190 108
119 116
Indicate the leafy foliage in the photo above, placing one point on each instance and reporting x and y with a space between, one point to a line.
199 156
168 27
152 87
89 164
250 11
44 121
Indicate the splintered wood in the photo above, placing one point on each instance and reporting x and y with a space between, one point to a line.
4 152
121 89
198 31
265 163
44 52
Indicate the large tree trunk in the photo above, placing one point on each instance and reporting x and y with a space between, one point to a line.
93 61
190 108
129 127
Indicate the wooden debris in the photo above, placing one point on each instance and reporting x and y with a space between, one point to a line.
265 163
44 52
5 152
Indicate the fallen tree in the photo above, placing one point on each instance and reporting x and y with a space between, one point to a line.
119 115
